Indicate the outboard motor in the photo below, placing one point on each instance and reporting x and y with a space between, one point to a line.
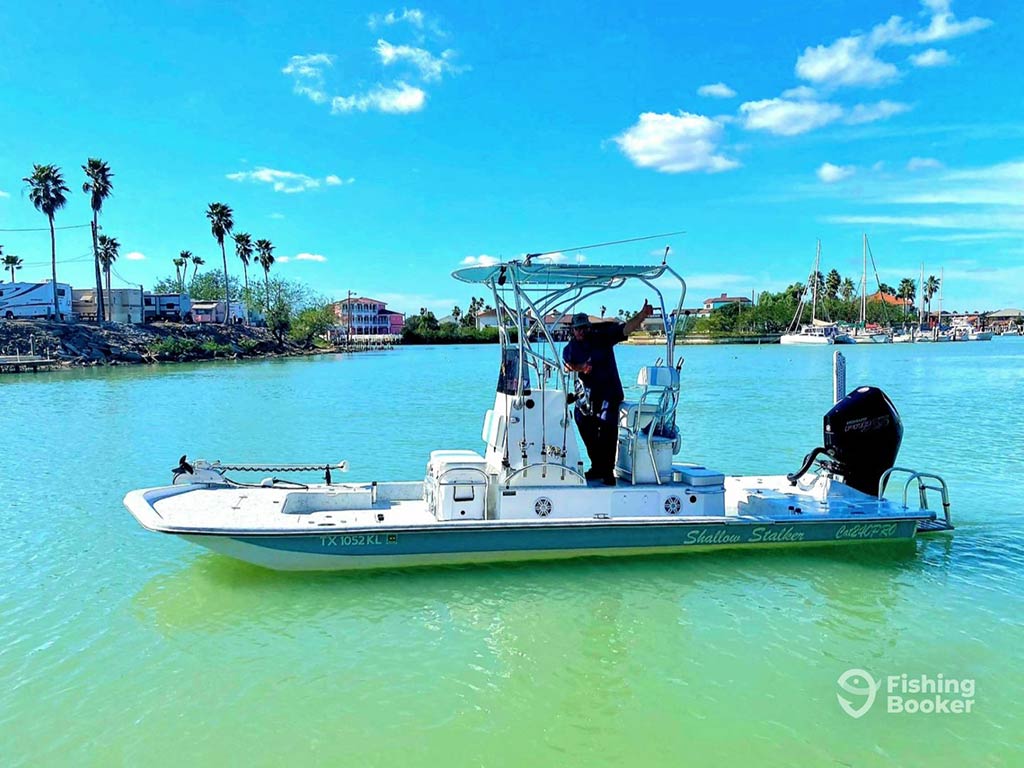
862 435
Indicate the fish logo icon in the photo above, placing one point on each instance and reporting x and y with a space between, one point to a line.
860 683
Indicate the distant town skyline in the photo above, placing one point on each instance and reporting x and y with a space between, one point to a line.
381 147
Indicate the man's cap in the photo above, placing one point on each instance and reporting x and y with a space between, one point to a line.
580 320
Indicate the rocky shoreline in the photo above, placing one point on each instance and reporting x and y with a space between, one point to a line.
87 344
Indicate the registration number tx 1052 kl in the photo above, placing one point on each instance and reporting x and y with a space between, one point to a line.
358 539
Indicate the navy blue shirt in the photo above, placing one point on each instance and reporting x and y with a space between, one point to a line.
597 348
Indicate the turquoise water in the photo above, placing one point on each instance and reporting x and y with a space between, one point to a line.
123 647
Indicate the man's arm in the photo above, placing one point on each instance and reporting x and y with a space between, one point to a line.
634 322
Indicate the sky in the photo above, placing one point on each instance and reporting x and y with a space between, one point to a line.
380 147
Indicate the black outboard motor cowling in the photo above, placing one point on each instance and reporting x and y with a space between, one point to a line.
863 433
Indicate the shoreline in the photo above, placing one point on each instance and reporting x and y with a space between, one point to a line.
66 346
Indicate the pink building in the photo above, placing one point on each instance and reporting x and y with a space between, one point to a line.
368 317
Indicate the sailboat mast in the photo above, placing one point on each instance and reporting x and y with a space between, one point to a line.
814 281
864 285
920 296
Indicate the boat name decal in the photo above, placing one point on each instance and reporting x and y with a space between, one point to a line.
866 531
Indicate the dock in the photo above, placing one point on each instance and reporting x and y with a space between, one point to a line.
21 363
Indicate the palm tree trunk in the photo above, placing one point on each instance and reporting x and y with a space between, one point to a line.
110 302
245 271
53 265
266 295
96 263
227 288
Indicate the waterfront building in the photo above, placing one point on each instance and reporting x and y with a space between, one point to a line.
725 300
363 316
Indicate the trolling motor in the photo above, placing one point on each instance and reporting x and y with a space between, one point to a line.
862 437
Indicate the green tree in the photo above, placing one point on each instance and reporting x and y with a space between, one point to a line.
179 264
109 251
312 323
907 292
279 321
931 287
244 251
265 256
205 286
847 289
222 221
833 282
456 314
48 193
197 262
11 262
99 187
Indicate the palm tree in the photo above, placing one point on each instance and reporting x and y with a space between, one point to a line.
11 262
178 264
244 251
847 289
99 187
47 191
109 251
182 263
222 221
197 262
931 287
907 291
266 260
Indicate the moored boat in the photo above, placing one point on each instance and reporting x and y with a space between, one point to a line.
526 496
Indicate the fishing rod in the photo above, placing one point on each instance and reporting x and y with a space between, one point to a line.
603 245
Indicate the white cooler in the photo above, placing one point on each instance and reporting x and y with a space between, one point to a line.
455 487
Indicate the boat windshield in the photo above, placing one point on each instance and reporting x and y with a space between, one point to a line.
535 301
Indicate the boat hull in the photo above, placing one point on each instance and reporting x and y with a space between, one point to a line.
502 543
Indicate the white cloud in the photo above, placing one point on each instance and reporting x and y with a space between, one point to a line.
4 194
830 173
933 57
847 61
922 163
282 259
430 67
788 118
852 60
675 143
401 98
962 237
483 260
310 257
716 91
880 110
135 256
307 73
277 215
288 182
801 93
412 16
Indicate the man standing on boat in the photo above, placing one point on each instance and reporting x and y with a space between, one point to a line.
590 353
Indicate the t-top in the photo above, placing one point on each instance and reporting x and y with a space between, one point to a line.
597 348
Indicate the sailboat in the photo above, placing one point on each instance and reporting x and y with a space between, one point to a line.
861 334
819 331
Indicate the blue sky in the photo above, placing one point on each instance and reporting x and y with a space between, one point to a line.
381 146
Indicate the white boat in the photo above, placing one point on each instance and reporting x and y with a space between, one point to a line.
525 496
818 332
810 334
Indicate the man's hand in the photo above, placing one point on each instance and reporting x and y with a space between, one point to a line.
634 322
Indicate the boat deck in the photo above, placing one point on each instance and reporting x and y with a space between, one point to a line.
397 506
